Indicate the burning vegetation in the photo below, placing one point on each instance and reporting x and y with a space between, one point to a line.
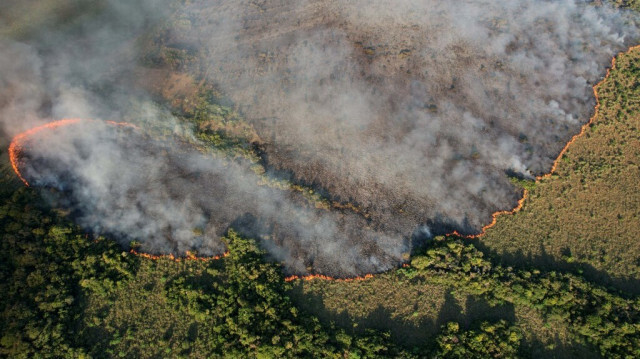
407 124
525 192
19 154
327 138
415 114
176 202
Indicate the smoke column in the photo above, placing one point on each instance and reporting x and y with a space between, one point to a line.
413 110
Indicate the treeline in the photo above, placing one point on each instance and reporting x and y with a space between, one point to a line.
59 286
45 263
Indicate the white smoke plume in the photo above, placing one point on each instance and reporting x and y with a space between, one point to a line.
173 199
413 110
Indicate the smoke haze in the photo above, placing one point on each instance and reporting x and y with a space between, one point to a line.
413 110
173 199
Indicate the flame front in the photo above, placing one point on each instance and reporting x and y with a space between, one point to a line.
583 129
326 277
16 145
17 142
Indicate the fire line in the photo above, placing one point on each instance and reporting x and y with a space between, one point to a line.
583 129
16 146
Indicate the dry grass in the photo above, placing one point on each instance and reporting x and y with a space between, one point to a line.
586 217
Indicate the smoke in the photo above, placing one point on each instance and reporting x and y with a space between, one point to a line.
173 199
413 110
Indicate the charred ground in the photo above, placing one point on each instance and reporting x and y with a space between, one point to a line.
414 114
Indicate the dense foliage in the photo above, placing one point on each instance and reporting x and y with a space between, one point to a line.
497 340
53 272
68 295
601 318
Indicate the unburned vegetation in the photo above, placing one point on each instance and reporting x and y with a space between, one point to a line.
583 219
586 216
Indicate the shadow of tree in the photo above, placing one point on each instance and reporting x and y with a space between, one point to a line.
406 333
535 348
420 335
543 261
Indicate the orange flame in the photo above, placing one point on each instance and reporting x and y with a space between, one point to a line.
595 114
15 147
16 143
326 277
583 129
14 153
525 193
